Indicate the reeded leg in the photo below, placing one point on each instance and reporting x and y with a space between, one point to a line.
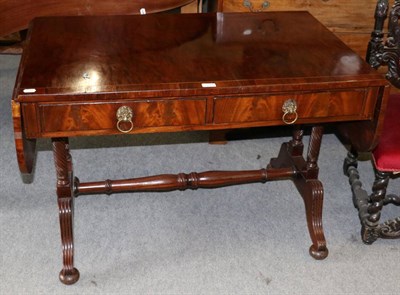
313 195
313 152
307 183
65 196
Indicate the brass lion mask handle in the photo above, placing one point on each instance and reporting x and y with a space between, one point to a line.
124 114
289 108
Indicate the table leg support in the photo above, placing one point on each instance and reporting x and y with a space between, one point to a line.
312 193
307 183
290 164
65 196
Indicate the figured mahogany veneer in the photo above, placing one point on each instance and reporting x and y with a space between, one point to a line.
58 119
328 106
82 76
80 118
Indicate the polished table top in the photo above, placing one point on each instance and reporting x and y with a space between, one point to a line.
173 54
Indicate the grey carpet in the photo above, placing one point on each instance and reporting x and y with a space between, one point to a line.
249 239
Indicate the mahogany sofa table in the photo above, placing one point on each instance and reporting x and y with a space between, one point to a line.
87 76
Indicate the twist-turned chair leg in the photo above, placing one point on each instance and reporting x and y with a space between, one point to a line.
390 229
370 224
370 206
361 199
360 196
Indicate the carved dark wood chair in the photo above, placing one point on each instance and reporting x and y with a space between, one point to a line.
383 50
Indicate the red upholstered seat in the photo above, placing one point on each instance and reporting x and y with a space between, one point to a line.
387 154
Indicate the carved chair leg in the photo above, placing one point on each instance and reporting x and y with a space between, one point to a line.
370 206
361 199
370 224
351 160
65 196
360 196
390 229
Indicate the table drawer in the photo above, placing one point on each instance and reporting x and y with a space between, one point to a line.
323 106
102 116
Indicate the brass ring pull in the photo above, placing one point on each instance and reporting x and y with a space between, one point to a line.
289 107
124 114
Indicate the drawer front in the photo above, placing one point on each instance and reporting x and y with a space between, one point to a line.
103 116
321 107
